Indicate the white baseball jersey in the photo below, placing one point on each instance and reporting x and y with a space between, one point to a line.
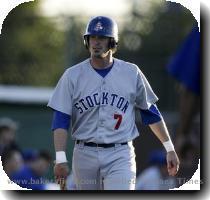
102 110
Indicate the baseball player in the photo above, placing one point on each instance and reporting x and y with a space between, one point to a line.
99 97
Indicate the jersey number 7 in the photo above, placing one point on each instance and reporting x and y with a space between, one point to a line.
119 120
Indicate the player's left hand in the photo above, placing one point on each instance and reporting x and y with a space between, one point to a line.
172 163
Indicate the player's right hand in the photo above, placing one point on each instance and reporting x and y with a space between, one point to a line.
61 171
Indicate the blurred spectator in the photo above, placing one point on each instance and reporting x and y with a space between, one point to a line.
8 128
12 161
31 176
185 68
155 177
189 163
30 155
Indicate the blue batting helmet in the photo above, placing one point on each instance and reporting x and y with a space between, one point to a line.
102 26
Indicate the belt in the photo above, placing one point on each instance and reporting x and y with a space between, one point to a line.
92 144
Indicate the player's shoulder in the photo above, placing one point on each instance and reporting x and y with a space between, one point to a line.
127 65
74 71
77 67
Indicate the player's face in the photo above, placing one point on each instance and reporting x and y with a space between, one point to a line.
98 46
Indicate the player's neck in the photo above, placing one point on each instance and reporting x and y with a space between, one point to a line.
101 63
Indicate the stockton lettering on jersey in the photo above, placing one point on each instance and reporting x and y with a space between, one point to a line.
106 99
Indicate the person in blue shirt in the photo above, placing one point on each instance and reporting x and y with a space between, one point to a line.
31 175
185 67
12 160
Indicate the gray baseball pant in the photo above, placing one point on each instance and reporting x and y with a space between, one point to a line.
98 168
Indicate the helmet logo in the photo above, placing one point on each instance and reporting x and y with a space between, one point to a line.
98 26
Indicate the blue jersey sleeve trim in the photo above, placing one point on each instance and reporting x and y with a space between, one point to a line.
60 120
150 116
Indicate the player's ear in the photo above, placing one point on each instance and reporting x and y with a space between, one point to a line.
113 45
86 41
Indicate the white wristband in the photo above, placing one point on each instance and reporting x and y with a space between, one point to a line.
168 146
60 157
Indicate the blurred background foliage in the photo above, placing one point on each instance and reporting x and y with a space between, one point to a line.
35 49
31 48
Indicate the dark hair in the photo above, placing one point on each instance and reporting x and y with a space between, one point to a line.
45 155
8 153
